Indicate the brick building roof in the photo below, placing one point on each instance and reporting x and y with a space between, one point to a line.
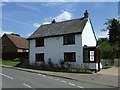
19 42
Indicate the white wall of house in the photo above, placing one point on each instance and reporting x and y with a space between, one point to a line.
54 49
88 37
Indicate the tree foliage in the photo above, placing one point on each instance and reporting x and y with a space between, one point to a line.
105 48
113 25
15 34
110 47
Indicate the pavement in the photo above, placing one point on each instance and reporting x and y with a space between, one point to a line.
108 77
110 71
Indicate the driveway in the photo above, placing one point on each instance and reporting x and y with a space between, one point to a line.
110 71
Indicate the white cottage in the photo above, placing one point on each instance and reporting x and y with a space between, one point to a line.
72 40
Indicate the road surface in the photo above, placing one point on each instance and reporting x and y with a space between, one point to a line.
12 78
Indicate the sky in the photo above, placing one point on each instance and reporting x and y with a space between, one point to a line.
25 17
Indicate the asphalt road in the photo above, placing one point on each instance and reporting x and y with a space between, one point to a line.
12 78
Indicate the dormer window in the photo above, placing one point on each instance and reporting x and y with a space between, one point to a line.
39 42
69 39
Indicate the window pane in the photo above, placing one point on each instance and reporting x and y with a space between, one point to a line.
91 55
70 57
39 42
40 57
69 39
86 56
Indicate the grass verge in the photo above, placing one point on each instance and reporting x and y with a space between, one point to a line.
10 63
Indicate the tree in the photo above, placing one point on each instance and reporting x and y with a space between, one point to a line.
114 31
101 40
105 48
111 48
15 34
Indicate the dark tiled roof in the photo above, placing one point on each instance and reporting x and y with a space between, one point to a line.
60 28
19 42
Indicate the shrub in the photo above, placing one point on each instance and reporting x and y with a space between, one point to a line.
80 70
68 64
17 59
61 63
50 62
106 65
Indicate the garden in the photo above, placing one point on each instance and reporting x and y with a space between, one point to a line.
61 67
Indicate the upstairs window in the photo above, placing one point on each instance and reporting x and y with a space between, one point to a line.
70 56
39 42
40 57
69 39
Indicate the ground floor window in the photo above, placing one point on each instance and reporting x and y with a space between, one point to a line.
40 57
91 55
86 55
70 56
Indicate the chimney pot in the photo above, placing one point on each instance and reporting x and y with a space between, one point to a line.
86 14
53 21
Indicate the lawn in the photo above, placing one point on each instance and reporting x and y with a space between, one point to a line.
10 63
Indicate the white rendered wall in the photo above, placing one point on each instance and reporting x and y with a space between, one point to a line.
54 49
88 37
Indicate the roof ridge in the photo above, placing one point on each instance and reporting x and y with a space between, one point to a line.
16 36
63 21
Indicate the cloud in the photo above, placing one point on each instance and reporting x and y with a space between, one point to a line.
37 25
5 0
27 6
64 16
48 18
16 21
118 16
46 22
102 34
2 32
61 17
29 34
47 4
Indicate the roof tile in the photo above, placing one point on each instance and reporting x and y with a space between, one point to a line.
60 28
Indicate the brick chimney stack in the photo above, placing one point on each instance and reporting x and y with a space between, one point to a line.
86 14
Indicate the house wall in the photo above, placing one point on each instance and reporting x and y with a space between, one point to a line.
55 49
8 46
88 37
